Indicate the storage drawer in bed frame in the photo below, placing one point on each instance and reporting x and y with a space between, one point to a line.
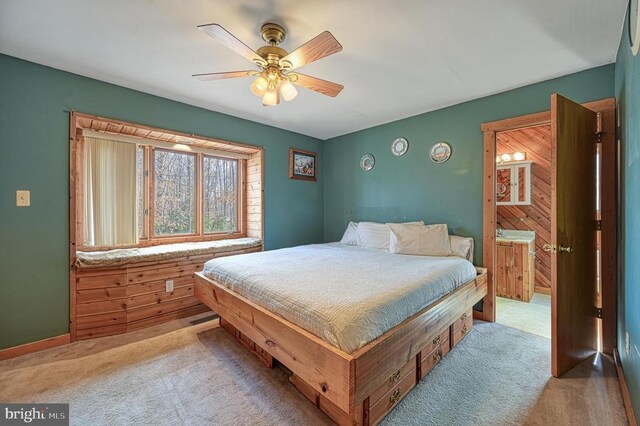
399 383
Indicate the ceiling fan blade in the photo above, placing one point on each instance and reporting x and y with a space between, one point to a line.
325 87
320 46
221 75
229 40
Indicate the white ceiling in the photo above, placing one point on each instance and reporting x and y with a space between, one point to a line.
400 58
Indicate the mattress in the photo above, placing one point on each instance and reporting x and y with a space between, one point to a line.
345 295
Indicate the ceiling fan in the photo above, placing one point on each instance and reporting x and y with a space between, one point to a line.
276 75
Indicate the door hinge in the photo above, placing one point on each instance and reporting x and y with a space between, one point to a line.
598 225
146 172
597 312
146 212
599 135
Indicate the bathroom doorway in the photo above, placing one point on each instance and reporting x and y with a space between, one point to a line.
582 246
523 229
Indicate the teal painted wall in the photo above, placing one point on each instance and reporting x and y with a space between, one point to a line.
627 89
34 135
412 186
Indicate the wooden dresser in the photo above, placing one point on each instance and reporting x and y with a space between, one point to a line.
515 270
115 300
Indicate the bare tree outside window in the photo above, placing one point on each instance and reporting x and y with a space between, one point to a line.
220 194
175 188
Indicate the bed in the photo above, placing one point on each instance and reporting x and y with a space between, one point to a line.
357 327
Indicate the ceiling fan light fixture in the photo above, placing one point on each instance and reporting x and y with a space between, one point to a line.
288 91
273 79
259 86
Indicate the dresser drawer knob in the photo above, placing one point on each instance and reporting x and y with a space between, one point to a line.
464 330
395 377
436 340
464 317
395 397
437 356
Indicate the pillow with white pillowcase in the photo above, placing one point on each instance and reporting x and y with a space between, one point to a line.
350 236
427 240
376 235
461 247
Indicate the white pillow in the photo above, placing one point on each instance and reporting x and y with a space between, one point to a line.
350 236
376 235
462 247
428 240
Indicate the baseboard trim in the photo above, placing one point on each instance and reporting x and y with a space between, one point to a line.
40 345
626 399
542 290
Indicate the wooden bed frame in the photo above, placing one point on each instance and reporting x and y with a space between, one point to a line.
343 385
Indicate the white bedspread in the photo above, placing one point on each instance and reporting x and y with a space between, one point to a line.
345 295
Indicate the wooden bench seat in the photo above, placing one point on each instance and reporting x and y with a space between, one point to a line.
115 294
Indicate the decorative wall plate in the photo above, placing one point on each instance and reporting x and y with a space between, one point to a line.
634 26
367 162
440 152
399 146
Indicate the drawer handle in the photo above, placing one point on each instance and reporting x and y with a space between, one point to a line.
437 356
464 317
395 377
464 330
436 340
396 396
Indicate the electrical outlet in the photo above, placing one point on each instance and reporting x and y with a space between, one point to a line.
23 198
627 344
168 285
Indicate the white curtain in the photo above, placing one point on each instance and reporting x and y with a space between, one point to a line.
110 198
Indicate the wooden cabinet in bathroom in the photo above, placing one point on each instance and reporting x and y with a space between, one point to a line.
515 270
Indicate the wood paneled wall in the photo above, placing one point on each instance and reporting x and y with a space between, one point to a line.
254 195
536 142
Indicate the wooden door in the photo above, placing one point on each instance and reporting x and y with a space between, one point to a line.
573 234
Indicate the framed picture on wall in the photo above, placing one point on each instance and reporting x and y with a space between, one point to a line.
302 164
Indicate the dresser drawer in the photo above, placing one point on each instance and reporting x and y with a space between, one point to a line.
430 359
393 380
458 333
390 399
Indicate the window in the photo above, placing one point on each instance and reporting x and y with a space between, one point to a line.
220 194
174 184
139 194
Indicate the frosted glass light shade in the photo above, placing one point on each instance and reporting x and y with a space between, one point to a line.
271 97
259 86
288 91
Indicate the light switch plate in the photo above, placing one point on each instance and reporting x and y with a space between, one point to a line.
23 198
168 285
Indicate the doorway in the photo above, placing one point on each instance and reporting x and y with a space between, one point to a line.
581 312
523 229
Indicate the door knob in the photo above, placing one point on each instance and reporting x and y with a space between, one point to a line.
562 249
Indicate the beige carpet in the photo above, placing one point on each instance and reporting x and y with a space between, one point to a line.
533 317
198 375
